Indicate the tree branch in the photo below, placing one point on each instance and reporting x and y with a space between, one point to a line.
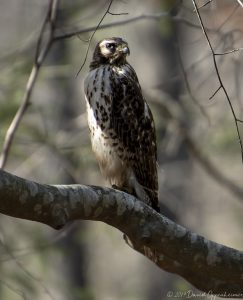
152 16
209 266
92 35
40 55
221 85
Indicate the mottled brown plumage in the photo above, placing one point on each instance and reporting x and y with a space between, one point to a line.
121 124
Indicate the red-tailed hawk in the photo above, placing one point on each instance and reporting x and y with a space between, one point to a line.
121 124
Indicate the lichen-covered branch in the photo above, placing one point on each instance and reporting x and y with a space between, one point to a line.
209 266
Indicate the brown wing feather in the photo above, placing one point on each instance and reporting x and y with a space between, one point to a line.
133 123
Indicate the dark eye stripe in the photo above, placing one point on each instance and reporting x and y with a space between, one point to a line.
110 45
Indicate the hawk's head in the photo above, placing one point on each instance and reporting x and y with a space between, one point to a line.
110 51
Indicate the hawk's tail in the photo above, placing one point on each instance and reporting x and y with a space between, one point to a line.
154 202
146 195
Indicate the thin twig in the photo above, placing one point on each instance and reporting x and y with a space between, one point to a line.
39 58
224 37
92 35
203 5
187 84
229 51
41 36
218 89
117 14
219 77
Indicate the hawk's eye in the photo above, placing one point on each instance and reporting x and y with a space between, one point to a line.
110 46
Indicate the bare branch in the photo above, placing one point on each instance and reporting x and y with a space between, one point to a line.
117 14
219 77
77 31
209 266
229 51
153 16
205 4
218 89
92 35
40 55
187 84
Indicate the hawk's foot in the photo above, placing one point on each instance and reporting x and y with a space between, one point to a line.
122 189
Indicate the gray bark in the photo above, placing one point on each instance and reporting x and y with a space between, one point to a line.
211 267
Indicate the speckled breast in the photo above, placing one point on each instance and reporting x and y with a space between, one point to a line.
105 144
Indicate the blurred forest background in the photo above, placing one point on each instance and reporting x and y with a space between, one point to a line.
89 260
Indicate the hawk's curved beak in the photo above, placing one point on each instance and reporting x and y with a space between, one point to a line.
125 50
